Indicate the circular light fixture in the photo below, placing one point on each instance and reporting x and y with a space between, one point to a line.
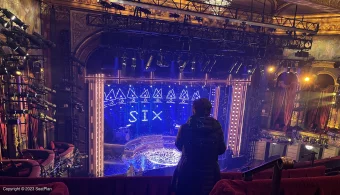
306 79
219 2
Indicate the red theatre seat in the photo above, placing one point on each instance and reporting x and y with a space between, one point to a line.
293 186
57 188
290 173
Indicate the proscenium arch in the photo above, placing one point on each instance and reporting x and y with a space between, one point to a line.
89 45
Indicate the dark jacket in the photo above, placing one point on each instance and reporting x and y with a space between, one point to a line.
201 140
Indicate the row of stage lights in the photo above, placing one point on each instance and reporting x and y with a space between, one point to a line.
18 39
184 62
138 10
14 54
235 128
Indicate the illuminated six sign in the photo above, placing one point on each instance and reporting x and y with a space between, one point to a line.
133 115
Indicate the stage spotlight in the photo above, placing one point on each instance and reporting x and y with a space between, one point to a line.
182 67
16 48
306 79
33 39
47 42
8 14
193 65
271 69
174 15
117 6
17 72
104 3
133 62
15 19
198 19
148 65
124 63
4 23
145 11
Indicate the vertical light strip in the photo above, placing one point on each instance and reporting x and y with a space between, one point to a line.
217 101
242 109
91 128
98 108
238 98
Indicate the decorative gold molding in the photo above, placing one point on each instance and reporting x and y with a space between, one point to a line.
79 29
329 24
323 64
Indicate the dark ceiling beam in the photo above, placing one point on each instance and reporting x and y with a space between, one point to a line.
226 14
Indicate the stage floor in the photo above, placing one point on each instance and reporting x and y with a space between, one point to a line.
144 154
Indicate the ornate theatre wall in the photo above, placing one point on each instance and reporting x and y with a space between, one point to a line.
325 48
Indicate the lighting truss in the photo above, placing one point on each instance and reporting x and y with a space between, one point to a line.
243 37
223 13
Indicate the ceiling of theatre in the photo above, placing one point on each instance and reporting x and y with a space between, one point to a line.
324 12
277 7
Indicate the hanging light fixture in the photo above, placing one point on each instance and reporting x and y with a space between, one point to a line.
219 2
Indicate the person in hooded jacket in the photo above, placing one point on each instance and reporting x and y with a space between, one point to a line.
201 140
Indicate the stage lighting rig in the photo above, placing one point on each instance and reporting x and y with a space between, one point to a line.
18 112
117 6
139 10
198 19
161 62
182 67
24 94
78 107
4 23
193 65
22 41
148 65
104 3
8 14
133 63
42 89
174 15
46 42
16 48
33 40
44 117
10 71
14 19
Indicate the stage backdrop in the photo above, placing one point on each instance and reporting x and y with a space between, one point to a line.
142 111
137 110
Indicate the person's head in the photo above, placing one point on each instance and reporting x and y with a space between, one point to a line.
201 107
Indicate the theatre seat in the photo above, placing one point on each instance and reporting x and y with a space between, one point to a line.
44 157
64 150
290 173
25 167
289 186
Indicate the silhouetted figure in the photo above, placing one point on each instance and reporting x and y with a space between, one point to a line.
201 140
